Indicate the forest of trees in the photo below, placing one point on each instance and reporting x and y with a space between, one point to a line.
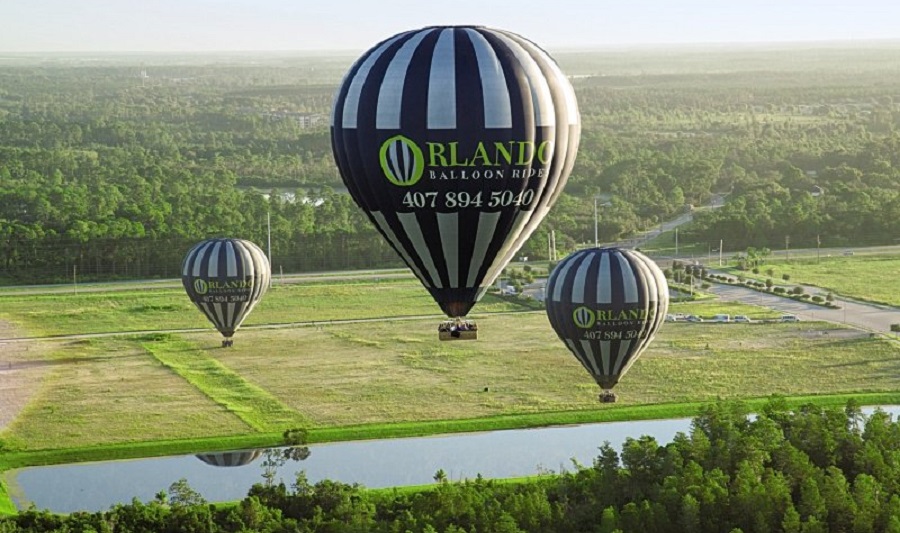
809 470
114 168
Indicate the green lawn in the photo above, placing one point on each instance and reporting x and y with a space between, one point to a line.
160 392
171 387
170 308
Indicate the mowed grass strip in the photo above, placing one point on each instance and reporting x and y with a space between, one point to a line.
110 391
259 409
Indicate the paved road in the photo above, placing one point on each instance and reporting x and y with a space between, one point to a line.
871 317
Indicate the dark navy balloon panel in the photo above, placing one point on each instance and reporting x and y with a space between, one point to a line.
606 305
230 459
225 278
455 141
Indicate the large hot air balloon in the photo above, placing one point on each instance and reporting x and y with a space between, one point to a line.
455 140
225 278
606 304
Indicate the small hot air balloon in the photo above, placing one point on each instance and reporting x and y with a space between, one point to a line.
456 141
606 304
226 278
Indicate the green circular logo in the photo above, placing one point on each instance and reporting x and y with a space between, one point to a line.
200 286
402 161
584 318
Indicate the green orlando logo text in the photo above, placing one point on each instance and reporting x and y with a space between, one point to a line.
586 318
404 162
202 286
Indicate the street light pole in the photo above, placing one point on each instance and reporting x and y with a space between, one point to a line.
596 225
269 241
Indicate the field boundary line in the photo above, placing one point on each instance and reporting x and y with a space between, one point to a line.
253 405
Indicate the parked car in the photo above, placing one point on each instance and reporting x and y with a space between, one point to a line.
721 318
743 319
671 318
790 318
693 318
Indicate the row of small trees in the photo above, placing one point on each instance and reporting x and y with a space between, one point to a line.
682 273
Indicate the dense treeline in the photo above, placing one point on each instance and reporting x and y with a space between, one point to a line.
809 470
115 167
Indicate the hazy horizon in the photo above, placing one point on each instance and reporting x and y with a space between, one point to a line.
245 26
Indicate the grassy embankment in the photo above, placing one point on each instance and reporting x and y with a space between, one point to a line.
152 394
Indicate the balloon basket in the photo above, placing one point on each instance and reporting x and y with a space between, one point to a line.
608 397
457 330
227 343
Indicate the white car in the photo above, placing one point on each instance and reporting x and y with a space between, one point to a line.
743 319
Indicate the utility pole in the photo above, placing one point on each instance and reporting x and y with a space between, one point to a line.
787 248
676 242
269 238
720 252
818 245
596 224
553 245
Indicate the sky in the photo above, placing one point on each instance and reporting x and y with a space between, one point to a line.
356 25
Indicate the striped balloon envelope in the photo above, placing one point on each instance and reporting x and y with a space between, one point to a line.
225 278
237 458
606 304
456 141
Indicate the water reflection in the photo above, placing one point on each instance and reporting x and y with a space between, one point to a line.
373 464
230 459
275 457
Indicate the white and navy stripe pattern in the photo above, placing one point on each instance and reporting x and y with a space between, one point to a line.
442 85
224 261
238 458
593 287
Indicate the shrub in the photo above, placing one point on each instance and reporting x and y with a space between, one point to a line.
818 299
786 277
797 290
779 290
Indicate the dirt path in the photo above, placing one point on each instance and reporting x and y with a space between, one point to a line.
22 368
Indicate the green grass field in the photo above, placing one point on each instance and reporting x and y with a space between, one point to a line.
68 313
183 387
